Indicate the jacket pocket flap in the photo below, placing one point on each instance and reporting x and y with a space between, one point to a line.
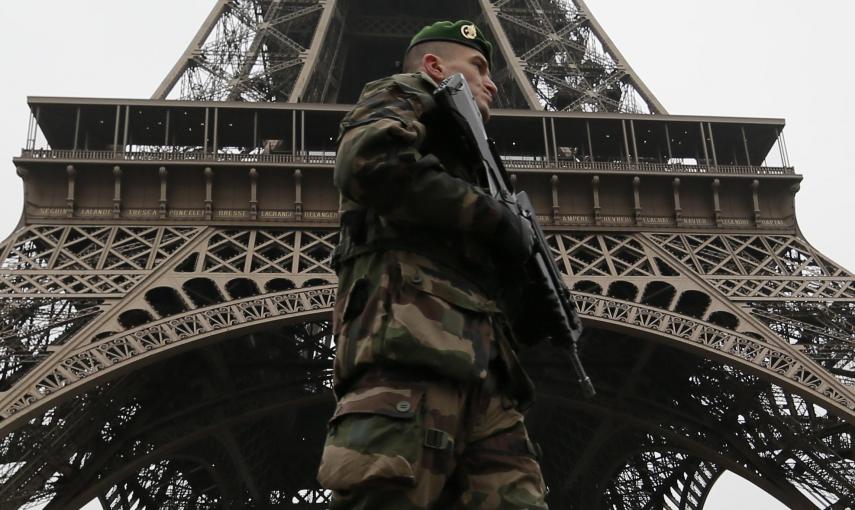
458 293
399 403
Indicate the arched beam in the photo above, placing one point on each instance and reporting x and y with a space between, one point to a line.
785 493
787 368
104 359
97 482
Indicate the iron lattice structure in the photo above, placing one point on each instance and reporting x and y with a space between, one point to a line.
166 297
552 53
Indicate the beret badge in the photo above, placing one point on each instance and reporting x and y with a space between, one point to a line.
469 31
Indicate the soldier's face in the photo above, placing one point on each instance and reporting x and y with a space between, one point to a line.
474 67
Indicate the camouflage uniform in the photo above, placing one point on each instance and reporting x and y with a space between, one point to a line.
428 384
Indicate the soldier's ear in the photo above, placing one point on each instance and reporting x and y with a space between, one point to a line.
433 65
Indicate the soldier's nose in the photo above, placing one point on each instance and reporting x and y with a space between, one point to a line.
491 87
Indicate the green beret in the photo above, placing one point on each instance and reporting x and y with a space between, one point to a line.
461 32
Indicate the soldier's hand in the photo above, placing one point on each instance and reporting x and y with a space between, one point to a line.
513 240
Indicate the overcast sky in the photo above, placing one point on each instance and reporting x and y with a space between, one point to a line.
746 58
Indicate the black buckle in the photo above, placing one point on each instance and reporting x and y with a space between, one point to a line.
437 439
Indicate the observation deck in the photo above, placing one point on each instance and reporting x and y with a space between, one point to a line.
235 162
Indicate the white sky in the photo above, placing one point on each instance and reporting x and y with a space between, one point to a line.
744 58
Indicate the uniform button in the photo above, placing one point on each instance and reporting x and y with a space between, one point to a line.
416 279
403 406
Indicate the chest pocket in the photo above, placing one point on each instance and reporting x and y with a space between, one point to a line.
439 325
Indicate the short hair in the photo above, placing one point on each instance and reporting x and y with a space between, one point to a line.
413 58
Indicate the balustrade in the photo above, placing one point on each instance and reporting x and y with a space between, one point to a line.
328 159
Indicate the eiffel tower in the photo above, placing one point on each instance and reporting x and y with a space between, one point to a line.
166 297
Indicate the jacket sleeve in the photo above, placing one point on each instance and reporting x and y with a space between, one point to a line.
379 165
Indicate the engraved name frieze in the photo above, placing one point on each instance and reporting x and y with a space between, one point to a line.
276 214
573 218
52 211
141 213
661 220
697 221
186 213
94 212
231 213
616 219
321 215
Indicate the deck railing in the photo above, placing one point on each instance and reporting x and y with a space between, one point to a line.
516 163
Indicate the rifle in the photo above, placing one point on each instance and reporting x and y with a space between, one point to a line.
544 290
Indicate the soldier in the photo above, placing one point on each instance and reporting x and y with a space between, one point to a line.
430 391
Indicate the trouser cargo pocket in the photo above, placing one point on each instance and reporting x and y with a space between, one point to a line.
375 437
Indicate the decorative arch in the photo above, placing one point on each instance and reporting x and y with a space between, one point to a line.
587 286
623 290
658 294
724 319
203 291
131 319
647 437
100 360
166 301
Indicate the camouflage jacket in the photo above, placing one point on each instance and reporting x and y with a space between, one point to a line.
417 287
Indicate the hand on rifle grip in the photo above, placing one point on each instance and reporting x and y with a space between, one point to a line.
513 239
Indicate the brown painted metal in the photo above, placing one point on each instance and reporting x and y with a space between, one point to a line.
166 296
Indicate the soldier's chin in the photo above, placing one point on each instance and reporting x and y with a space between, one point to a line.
485 112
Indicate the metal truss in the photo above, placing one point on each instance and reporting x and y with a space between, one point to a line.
665 450
158 366
668 425
552 54
253 50
761 267
133 446
805 298
568 61
79 261
216 287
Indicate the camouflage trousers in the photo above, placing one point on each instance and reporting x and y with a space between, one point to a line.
394 445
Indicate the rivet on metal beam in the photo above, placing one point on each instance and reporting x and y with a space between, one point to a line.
69 199
634 141
117 192
625 141
205 134
712 144
590 143
668 142
253 193
298 194
704 145
116 129
76 129
209 191
755 196
545 140
678 211
162 173
716 185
